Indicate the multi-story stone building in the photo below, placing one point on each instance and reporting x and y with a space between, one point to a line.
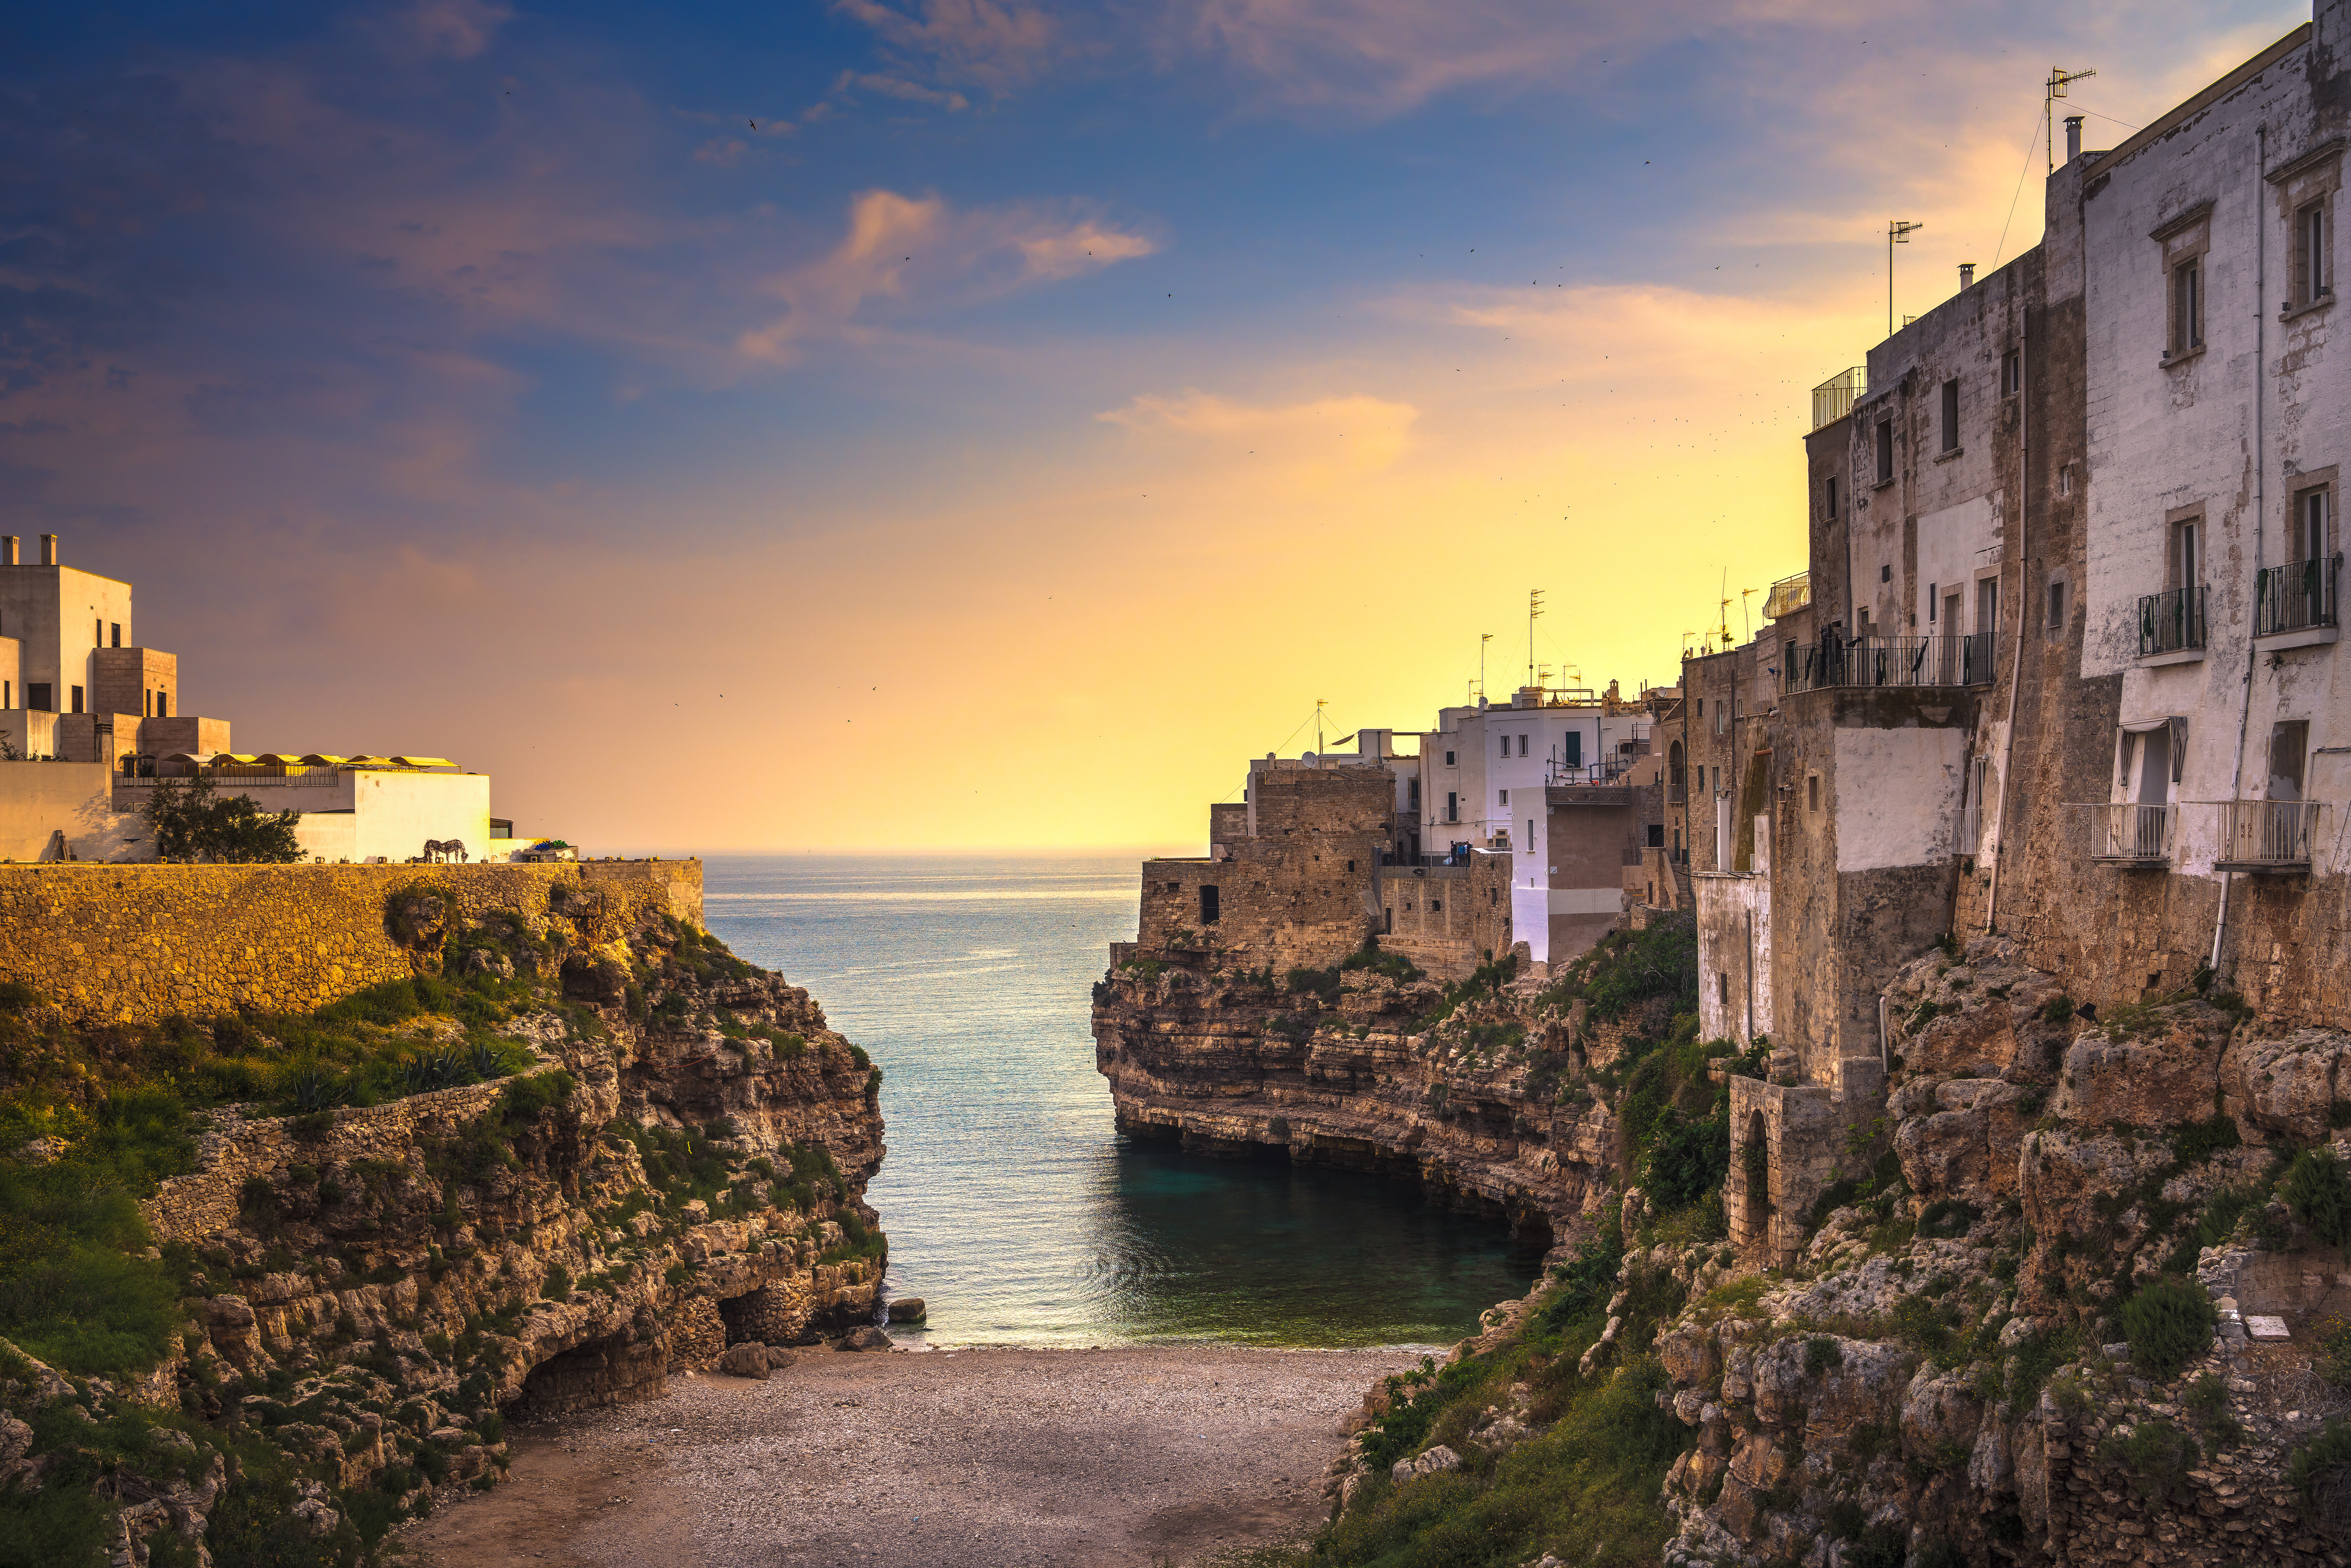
2071 666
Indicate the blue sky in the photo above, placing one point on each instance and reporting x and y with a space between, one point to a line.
1073 392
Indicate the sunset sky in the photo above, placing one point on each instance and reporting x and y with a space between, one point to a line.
921 423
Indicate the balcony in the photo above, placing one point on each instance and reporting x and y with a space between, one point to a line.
1835 398
1889 662
2171 621
2299 597
2266 835
2131 834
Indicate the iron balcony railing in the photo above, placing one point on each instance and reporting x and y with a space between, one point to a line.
1889 662
2131 834
2297 597
2266 834
1676 795
1835 398
1607 770
2171 621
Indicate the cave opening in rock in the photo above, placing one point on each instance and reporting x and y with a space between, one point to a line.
613 1370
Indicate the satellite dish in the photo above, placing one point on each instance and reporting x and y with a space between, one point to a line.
1307 756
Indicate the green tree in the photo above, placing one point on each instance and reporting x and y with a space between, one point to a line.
190 821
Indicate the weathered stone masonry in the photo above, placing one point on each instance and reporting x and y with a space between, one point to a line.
134 942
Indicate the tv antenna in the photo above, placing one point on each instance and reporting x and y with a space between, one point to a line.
1534 609
1897 232
2059 79
1744 619
1725 628
1483 638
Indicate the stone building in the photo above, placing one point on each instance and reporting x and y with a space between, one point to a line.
1567 782
2070 670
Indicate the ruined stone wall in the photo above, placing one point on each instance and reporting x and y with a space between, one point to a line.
1303 892
135 943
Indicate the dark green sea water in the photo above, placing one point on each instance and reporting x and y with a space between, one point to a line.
1013 1208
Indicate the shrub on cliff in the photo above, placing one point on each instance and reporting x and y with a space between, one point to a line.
1629 967
2168 1324
2320 1196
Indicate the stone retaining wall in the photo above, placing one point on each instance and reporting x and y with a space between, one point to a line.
134 942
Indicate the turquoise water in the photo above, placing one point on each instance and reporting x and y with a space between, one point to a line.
1013 1208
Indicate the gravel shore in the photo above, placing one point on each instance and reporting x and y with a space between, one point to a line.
970 1458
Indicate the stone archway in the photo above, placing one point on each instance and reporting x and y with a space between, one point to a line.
1754 1156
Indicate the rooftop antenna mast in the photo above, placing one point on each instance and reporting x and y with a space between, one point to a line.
1319 704
1897 232
2059 79
1534 609
1483 638
1744 619
1725 628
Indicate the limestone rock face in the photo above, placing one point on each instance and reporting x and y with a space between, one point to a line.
1225 1059
2287 1086
2152 1074
673 1184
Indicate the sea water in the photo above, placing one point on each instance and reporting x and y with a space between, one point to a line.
1013 1208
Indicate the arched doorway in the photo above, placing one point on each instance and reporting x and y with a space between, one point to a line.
1755 1162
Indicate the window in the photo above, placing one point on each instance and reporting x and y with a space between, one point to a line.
1449 760
1951 415
2313 279
118 634
77 699
1988 605
1412 796
2182 562
2310 526
1885 572
1831 497
2289 745
1209 909
1522 745
37 698
1886 452
163 702
98 633
1452 807
7 697
2057 608
2187 304
1934 591
1506 746
1657 837
2011 373
1811 791
1723 986
2065 479
1506 797
1437 906
1701 707
1574 739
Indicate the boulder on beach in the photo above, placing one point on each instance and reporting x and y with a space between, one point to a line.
906 1310
779 1358
747 1360
867 1337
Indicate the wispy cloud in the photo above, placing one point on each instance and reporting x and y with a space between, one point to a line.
910 251
1313 444
899 87
996 47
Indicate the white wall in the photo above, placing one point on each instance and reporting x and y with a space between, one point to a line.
399 811
1897 796
2162 438
38 799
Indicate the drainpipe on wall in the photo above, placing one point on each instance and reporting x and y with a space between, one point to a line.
2016 665
2260 499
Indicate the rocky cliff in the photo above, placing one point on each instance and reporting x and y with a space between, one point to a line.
1495 1091
2073 1298
596 1157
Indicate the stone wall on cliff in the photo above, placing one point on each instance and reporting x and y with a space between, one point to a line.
132 944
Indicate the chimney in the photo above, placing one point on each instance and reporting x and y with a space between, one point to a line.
2073 136
48 549
8 549
1967 275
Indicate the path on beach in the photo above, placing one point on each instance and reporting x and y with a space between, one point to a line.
971 1459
